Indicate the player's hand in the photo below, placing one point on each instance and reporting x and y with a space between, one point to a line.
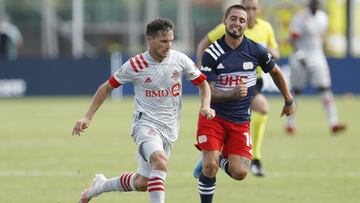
241 89
80 126
208 112
288 110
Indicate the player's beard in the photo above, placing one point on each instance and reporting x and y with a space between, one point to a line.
233 35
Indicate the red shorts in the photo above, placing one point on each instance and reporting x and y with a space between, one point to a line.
228 137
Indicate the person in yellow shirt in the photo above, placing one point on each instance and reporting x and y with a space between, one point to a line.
261 32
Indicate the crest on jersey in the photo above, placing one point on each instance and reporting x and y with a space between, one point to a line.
220 66
175 75
248 65
206 69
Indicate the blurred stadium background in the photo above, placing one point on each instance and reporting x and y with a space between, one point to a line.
68 49
74 39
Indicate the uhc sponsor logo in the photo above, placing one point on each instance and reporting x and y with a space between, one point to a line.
231 80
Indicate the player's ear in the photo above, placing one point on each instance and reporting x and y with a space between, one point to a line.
149 38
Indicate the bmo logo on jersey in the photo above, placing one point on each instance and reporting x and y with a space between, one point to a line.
175 91
156 93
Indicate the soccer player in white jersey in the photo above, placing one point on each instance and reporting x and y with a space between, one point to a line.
157 78
308 62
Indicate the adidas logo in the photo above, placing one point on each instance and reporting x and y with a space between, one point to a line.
148 80
220 66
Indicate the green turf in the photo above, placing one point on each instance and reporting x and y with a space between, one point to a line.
40 162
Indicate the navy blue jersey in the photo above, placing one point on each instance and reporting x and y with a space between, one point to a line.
226 66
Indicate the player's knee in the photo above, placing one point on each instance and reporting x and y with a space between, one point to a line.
260 104
210 169
239 174
159 161
141 184
264 109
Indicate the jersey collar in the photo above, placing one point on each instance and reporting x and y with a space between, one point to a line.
227 47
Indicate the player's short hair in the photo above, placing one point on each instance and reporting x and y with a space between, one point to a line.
235 6
160 25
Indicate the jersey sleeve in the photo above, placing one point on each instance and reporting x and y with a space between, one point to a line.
123 75
216 33
271 38
191 72
266 59
208 67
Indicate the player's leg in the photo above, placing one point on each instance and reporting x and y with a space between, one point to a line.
155 151
329 104
298 80
128 181
210 138
321 80
123 183
207 178
237 151
259 118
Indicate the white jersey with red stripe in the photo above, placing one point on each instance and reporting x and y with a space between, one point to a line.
158 88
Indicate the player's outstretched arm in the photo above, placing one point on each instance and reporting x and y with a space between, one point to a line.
99 98
279 80
205 96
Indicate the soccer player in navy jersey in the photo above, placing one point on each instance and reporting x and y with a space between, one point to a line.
157 77
230 66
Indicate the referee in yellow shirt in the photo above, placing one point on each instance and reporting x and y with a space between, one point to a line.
261 32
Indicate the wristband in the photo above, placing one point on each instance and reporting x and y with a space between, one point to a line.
289 103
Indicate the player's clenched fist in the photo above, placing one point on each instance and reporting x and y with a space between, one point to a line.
208 112
241 89
80 126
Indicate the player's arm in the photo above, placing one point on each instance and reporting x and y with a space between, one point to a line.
273 47
274 52
203 44
205 97
295 36
98 99
280 82
237 92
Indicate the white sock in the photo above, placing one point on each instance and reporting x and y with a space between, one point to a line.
123 183
330 107
156 186
290 122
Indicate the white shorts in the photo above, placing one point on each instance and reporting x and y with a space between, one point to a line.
317 74
148 140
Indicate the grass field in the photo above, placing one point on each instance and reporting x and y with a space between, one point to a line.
40 162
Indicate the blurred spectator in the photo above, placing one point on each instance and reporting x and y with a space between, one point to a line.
10 39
